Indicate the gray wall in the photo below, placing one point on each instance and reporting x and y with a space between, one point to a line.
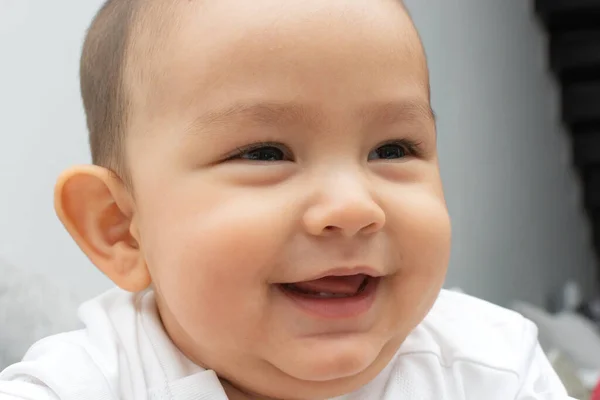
518 227
515 201
42 131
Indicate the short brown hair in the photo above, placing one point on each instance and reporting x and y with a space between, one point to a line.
110 44
102 74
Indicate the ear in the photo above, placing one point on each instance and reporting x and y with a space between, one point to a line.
98 211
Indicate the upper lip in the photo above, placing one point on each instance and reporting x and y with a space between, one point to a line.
346 271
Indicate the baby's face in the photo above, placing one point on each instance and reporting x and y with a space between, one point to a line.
281 143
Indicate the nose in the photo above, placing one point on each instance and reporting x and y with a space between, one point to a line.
345 207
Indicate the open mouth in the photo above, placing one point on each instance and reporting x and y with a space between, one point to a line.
331 287
334 296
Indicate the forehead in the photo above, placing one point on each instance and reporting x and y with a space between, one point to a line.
230 52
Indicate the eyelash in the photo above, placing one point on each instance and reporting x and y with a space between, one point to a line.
412 147
240 151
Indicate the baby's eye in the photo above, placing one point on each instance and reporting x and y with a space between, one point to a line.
389 151
263 153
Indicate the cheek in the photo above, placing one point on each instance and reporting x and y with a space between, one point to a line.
422 237
420 227
211 258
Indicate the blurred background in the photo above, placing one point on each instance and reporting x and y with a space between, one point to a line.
519 140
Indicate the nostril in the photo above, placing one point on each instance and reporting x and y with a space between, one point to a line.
373 227
330 229
367 229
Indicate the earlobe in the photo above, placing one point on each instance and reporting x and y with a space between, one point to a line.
98 212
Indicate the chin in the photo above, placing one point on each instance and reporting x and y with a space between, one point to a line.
331 362
328 374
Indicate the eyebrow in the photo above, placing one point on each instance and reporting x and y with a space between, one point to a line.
399 111
263 113
273 113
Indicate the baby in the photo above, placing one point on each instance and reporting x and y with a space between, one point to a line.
266 195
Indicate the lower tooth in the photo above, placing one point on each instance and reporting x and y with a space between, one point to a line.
326 294
331 295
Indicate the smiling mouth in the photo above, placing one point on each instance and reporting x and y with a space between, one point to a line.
330 287
333 297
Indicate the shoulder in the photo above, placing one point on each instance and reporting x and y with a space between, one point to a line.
457 310
461 328
76 364
65 365
469 349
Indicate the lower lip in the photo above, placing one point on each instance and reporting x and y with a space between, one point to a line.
336 308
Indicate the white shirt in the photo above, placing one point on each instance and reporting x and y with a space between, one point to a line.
465 349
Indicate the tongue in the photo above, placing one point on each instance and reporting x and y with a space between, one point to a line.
333 284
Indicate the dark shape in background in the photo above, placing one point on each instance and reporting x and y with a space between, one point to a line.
574 29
